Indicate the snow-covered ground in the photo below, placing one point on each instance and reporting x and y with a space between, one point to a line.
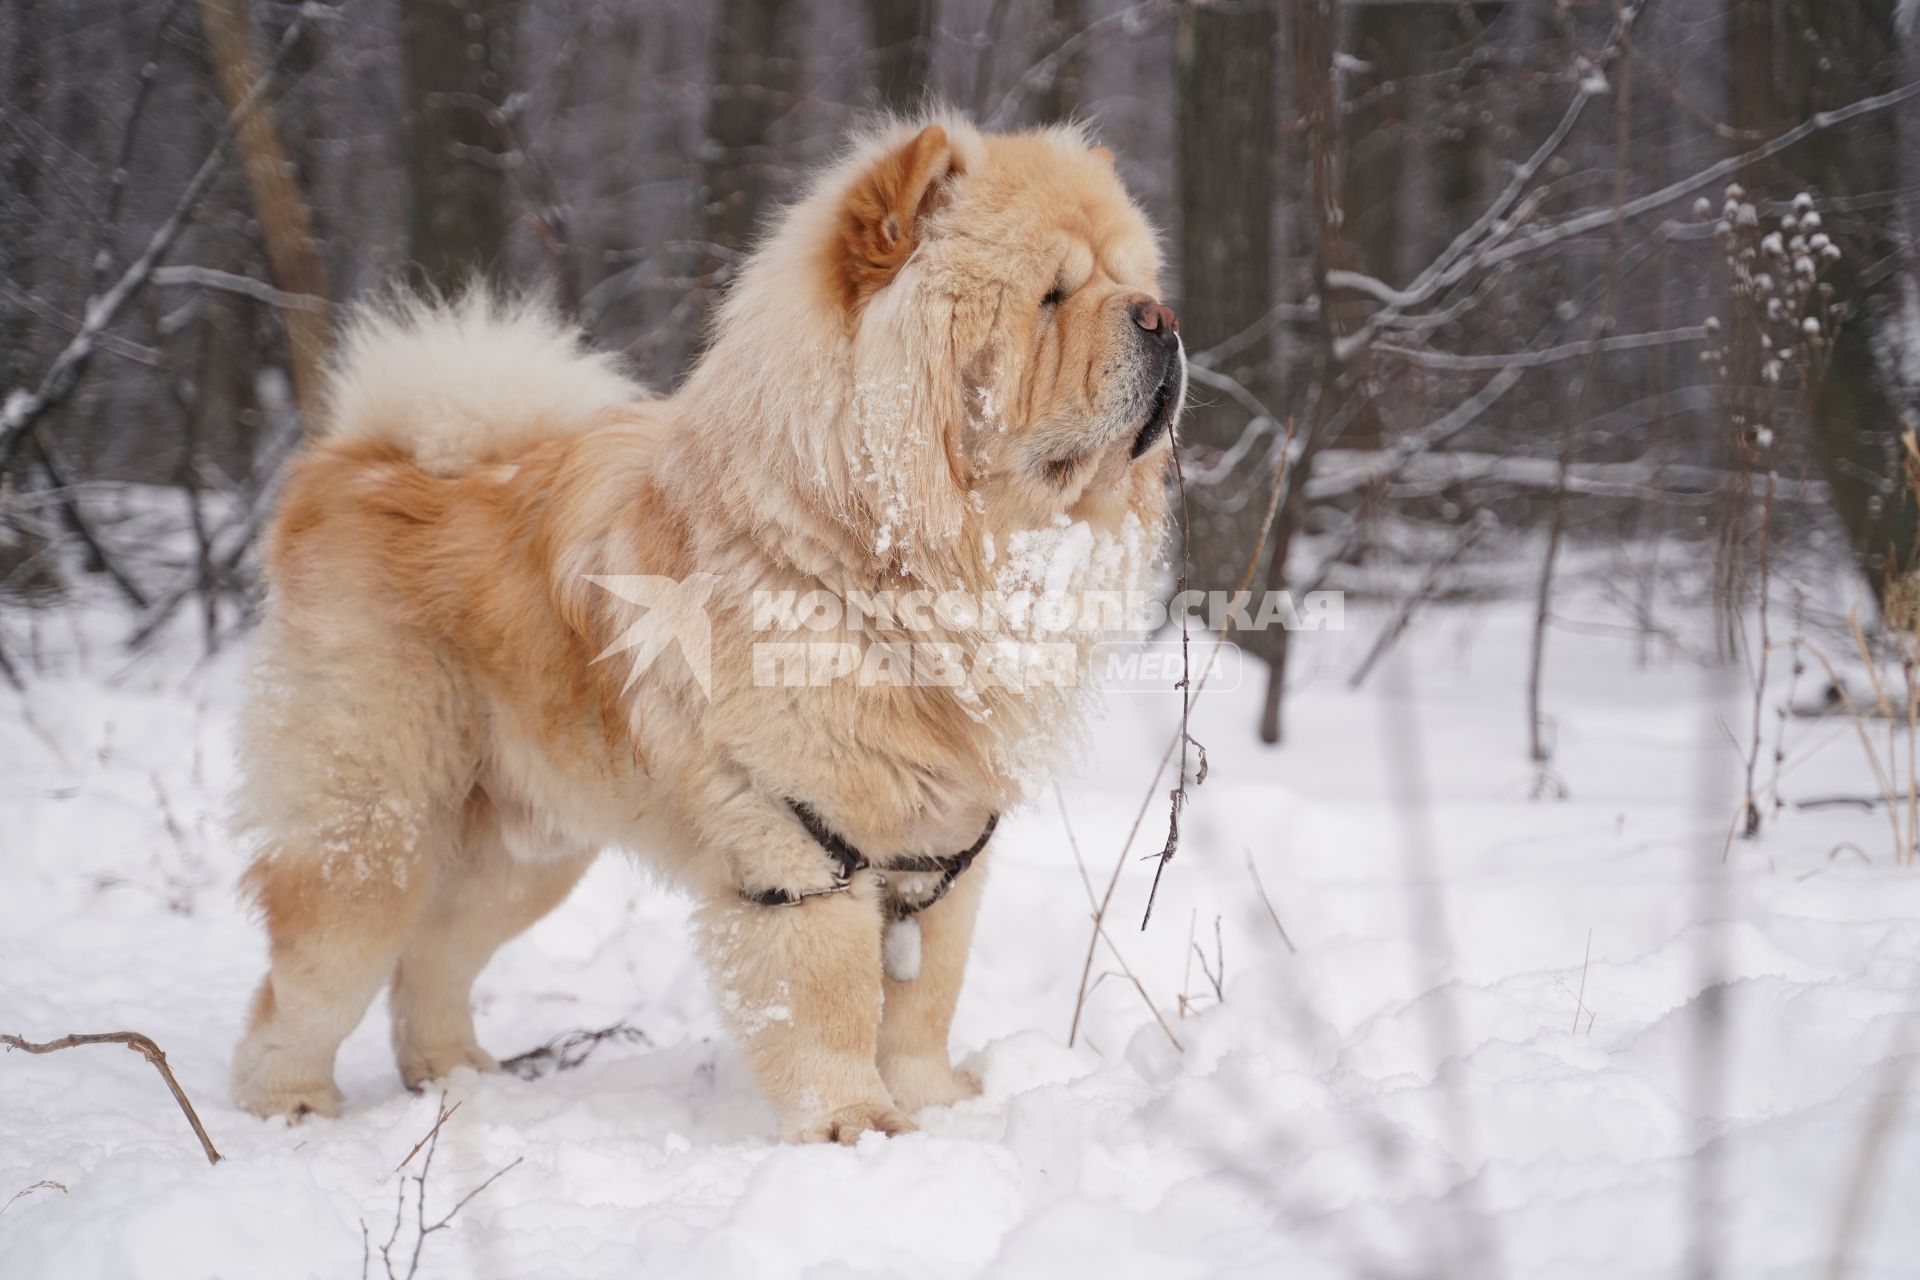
1490 1055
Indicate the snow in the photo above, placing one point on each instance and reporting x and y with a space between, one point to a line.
1493 1068
18 407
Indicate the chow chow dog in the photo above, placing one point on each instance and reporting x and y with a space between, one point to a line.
517 611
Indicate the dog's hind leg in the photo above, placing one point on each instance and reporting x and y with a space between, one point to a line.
484 897
357 760
338 911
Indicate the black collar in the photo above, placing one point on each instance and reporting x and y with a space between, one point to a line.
849 860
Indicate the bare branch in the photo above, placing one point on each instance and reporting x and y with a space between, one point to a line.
1387 462
145 1048
1468 535
1546 355
247 286
1267 902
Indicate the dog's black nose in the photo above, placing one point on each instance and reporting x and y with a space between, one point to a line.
1157 320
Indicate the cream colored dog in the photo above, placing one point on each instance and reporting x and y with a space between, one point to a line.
944 370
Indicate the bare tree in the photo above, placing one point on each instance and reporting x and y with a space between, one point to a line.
753 56
26 88
285 221
458 71
1866 400
1312 34
1064 41
1226 136
25 69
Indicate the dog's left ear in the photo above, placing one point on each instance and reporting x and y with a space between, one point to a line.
885 213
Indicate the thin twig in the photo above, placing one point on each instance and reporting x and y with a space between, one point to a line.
1101 935
1189 690
423 1228
446 1114
1580 1000
1177 798
1254 871
1468 535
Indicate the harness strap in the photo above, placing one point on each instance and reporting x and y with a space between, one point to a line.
849 860
950 868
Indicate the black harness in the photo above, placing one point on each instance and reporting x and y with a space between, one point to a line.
848 860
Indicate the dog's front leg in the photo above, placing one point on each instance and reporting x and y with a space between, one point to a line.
800 987
919 1012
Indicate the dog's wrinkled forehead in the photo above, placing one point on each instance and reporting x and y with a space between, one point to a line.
1048 203
965 206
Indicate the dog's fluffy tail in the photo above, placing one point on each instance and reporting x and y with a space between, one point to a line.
461 383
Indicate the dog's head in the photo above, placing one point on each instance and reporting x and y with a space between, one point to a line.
1001 353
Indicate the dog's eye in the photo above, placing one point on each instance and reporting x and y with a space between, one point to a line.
1055 296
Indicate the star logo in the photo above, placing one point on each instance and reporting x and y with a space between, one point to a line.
675 613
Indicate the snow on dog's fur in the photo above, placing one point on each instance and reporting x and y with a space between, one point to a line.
949 349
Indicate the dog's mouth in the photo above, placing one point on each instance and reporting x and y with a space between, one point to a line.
1166 399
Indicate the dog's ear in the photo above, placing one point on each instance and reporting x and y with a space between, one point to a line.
885 213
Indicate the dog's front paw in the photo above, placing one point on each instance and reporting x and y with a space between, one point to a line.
920 1082
847 1124
775 881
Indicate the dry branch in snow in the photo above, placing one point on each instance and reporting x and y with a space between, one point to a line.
145 1048
422 1228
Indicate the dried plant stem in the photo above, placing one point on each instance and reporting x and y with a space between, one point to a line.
1177 798
1463 541
145 1048
1189 690
1267 902
1100 934
1166 757
1763 658
422 1228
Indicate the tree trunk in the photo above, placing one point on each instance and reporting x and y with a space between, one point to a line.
19 240
902 53
285 223
1831 54
457 62
752 78
753 59
1315 74
1226 139
1750 60
1312 35
19 195
1060 99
